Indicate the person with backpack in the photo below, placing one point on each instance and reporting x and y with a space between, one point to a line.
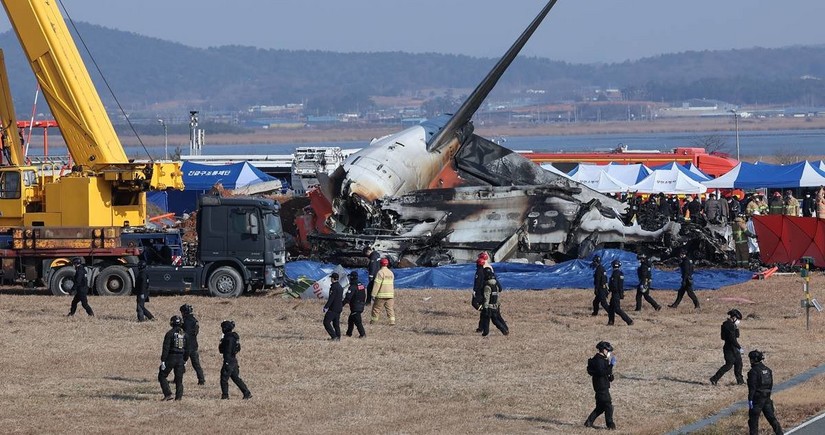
491 308
760 384
600 369
356 297
478 286
173 357
229 347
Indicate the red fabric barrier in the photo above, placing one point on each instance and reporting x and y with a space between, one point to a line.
785 239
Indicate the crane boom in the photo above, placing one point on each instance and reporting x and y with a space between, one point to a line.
11 144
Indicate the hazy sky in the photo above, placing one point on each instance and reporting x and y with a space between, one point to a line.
575 30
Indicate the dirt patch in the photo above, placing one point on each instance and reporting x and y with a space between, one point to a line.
429 374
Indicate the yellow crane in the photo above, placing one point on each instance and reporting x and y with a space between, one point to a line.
104 188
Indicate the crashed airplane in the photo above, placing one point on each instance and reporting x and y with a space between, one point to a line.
437 193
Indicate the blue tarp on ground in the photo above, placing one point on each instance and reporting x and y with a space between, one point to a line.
570 274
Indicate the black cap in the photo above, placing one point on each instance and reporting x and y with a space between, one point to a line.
616 264
353 275
735 313
602 345
175 321
334 275
756 356
227 326
186 309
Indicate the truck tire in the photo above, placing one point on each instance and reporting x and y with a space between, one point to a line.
114 281
225 282
62 281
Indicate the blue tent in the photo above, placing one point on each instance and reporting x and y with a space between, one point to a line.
752 176
198 176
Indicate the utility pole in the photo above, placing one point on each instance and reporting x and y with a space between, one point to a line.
736 126
165 139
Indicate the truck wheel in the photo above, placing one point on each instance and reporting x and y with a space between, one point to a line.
62 281
225 282
114 281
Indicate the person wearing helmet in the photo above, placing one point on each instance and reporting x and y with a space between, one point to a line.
760 384
645 278
142 292
791 205
600 369
616 287
599 286
173 357
740 233
373 265
477 300
491 307
229 347
80 287
190 326
333 308
731 349
776 205
383 293
356 297
686 269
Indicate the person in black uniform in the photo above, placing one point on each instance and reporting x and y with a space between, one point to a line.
645 278
760 384
600 368
333 308
356 297
491 306
731 349
190 326
80 287
616 287
142 293
686 268
229 347
478 287
173 358
373 265
599 286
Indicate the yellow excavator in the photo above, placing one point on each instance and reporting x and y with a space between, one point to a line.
103 188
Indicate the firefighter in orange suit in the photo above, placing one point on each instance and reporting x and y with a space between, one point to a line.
383 293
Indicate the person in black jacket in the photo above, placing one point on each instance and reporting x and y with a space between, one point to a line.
616 287
190 326
731 349
80 287
356 297
686 268
645 278
142 293
760 384
600 368
229 347
808 205
373 265
478 286
173 358
599 286
333 308
491 305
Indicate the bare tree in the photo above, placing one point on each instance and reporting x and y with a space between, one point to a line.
784 157
711 143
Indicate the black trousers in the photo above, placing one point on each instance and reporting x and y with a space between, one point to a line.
142 312
733 360
686 288
600 299
494 315
762 405
354 321
646 295
332 323
195 358
604 404
230 370
84 301
173 363
616 308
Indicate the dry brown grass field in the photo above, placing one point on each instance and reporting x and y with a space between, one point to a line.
428 374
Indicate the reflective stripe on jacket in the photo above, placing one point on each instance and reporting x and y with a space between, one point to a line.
384 286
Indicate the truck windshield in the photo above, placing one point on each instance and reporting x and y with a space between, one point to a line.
272 223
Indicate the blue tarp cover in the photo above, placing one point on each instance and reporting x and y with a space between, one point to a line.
513 276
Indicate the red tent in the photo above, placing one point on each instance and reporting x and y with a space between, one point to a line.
785 239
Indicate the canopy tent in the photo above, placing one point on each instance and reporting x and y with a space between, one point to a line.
669 181
627 174
595 178
553 169
689 169
199 178
786 239
752 176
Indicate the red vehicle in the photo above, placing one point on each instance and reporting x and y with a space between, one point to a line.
713 164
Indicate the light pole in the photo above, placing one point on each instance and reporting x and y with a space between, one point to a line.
165 140
736 126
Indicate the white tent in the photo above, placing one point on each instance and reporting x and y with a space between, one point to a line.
553 169
627 174
669 181
595 178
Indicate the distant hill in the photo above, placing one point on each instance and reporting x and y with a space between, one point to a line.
150 74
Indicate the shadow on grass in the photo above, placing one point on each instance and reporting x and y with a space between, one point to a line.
127 397
438 313
683 381
437 332
533 419
123 379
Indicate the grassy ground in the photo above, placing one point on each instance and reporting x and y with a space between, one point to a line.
429 374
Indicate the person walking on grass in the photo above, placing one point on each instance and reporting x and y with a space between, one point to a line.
383 293
356 297
229 347
599 286
491 308
686 269
760 384
600 369
142 293
80 287
731 349
173 357
333 308
616 287
645 275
